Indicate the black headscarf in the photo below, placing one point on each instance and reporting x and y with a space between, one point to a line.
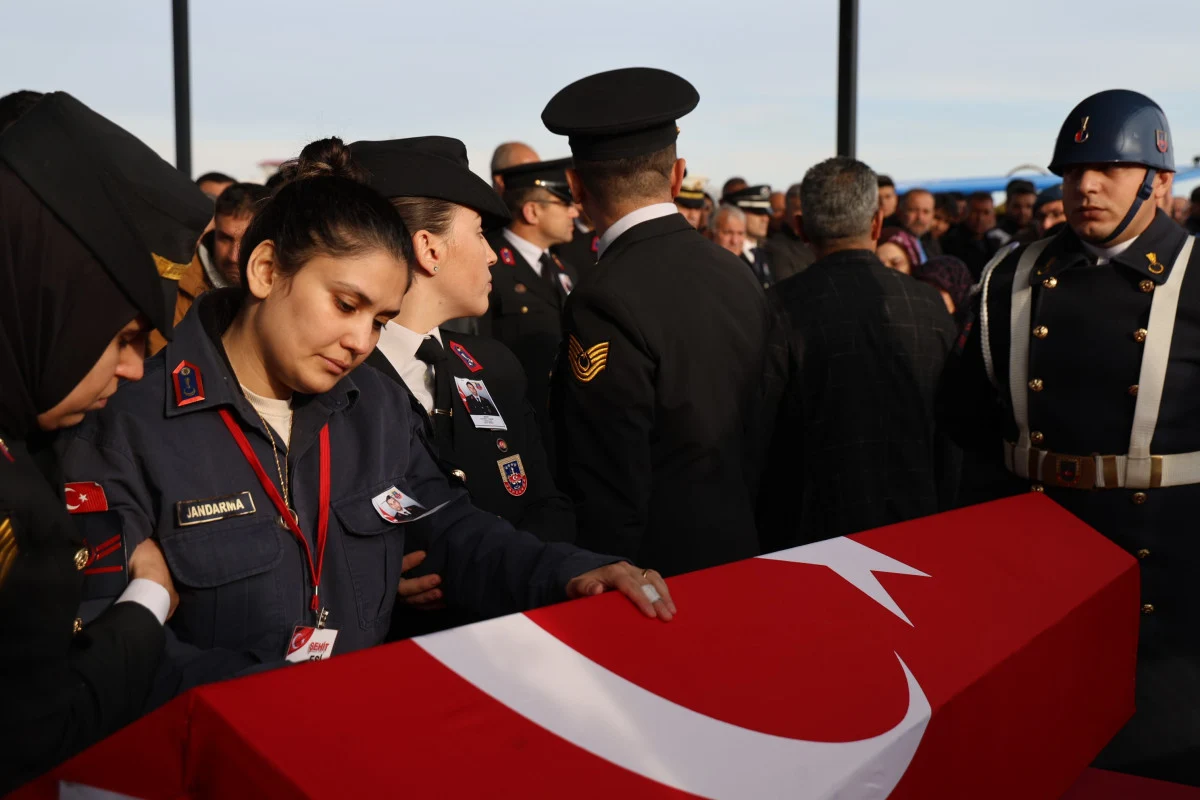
59 308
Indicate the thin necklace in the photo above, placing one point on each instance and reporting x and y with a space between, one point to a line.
281 471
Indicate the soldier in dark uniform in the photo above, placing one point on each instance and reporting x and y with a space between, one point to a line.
656 397
1080 375
428 179
87 213
530 282
755 203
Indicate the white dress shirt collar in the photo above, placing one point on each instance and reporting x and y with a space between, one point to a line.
399 346
1105 254
643 214
528 250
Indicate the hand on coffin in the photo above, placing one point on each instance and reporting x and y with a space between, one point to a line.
423 592
631 582
147 562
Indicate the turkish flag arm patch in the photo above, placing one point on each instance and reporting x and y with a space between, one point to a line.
85 497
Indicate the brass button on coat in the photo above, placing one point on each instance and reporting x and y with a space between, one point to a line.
1036 385
1143 553
524 309
1041 332
1037 487
1140 335
1147 608
458 473
81 558
1133 390
1146 286
1139 498
1037 437
1050 282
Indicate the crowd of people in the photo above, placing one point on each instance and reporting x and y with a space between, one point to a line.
379 396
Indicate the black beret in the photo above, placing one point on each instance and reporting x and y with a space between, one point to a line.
751 200
138 215
429 166
548 175
621 113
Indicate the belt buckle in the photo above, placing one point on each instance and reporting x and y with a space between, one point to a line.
1066 470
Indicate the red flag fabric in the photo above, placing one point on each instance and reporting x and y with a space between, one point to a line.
984 653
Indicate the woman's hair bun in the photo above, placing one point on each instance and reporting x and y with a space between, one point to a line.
324 157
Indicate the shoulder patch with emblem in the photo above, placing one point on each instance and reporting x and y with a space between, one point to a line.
8 548
512 472
465 357
189 386
586 364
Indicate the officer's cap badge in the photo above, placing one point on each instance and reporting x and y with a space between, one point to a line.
586 364
189 386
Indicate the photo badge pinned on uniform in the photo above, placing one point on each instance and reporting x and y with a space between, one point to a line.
586 364
465 357
189 386
512 472
397 507
507 257
480 405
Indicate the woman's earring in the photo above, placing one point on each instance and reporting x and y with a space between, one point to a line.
436 268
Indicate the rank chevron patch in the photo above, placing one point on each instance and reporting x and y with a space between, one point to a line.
8 548
586 364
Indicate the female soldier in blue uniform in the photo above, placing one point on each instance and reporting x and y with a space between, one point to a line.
258 462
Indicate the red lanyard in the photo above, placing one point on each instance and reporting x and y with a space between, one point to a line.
314 570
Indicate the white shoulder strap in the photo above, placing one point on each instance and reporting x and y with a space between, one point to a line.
1159 331
985 335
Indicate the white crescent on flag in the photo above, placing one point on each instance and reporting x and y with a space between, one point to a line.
525 667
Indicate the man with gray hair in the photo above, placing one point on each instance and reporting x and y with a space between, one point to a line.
855 447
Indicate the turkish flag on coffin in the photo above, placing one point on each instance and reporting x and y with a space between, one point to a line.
982 653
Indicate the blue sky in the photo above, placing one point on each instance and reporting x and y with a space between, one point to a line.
945 87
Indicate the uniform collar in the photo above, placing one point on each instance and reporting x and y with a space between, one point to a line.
643 214
197 348
1152 254
528 250
399 344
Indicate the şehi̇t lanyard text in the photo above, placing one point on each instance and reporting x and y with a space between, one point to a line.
314 567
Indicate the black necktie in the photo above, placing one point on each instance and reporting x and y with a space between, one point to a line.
433 354
550 272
